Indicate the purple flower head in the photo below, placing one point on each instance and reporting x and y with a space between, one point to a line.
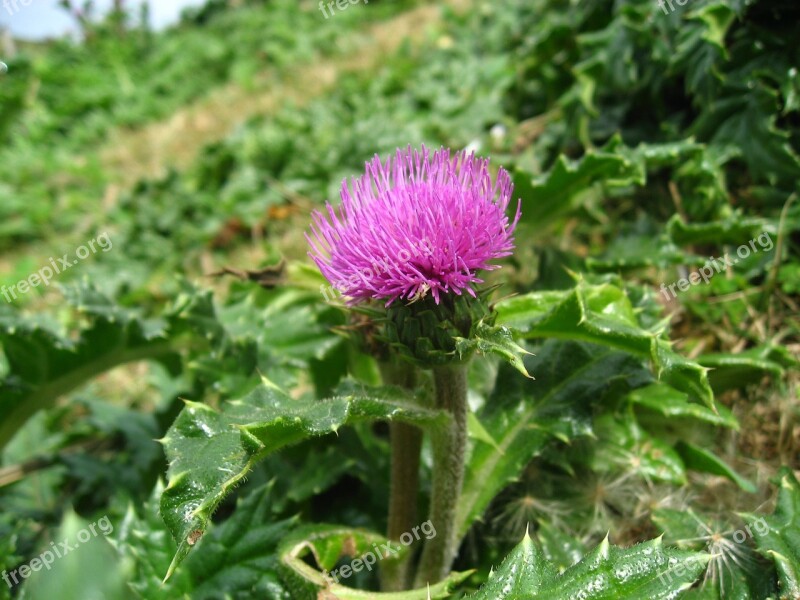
415 225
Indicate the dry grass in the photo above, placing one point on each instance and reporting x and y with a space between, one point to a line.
130 155
149 151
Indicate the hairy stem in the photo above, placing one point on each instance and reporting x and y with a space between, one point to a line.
448 474
406 443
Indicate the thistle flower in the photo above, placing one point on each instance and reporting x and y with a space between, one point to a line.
415 225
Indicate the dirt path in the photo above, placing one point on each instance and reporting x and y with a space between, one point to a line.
174 142
149 151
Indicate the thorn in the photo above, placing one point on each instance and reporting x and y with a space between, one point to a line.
268 383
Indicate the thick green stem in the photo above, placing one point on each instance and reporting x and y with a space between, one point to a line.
397 575
406 442
449 449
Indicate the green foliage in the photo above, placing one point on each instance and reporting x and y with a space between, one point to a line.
742 552
641 144
781 541
571 182
210 452
648 570
45 364
704 461
669 402
67 575
237 558
330 546
603 314
521 415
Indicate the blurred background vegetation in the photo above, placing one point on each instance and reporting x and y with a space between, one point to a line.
640 144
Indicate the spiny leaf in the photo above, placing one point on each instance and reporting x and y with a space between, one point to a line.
547 196
522 573
746 119
240 556
669 402
704 461
730 371
732 230
211 451
498 340
647 570
781 542
522 415
45 364
603 314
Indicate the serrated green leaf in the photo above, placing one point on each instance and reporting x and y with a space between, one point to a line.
733 230
142 539
522 573
238 556
497 340
718 18
603 314
523 414
647 570
705 461
548 196
732 371
669 402
45 364
781 542
670 153
746 119
211 451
